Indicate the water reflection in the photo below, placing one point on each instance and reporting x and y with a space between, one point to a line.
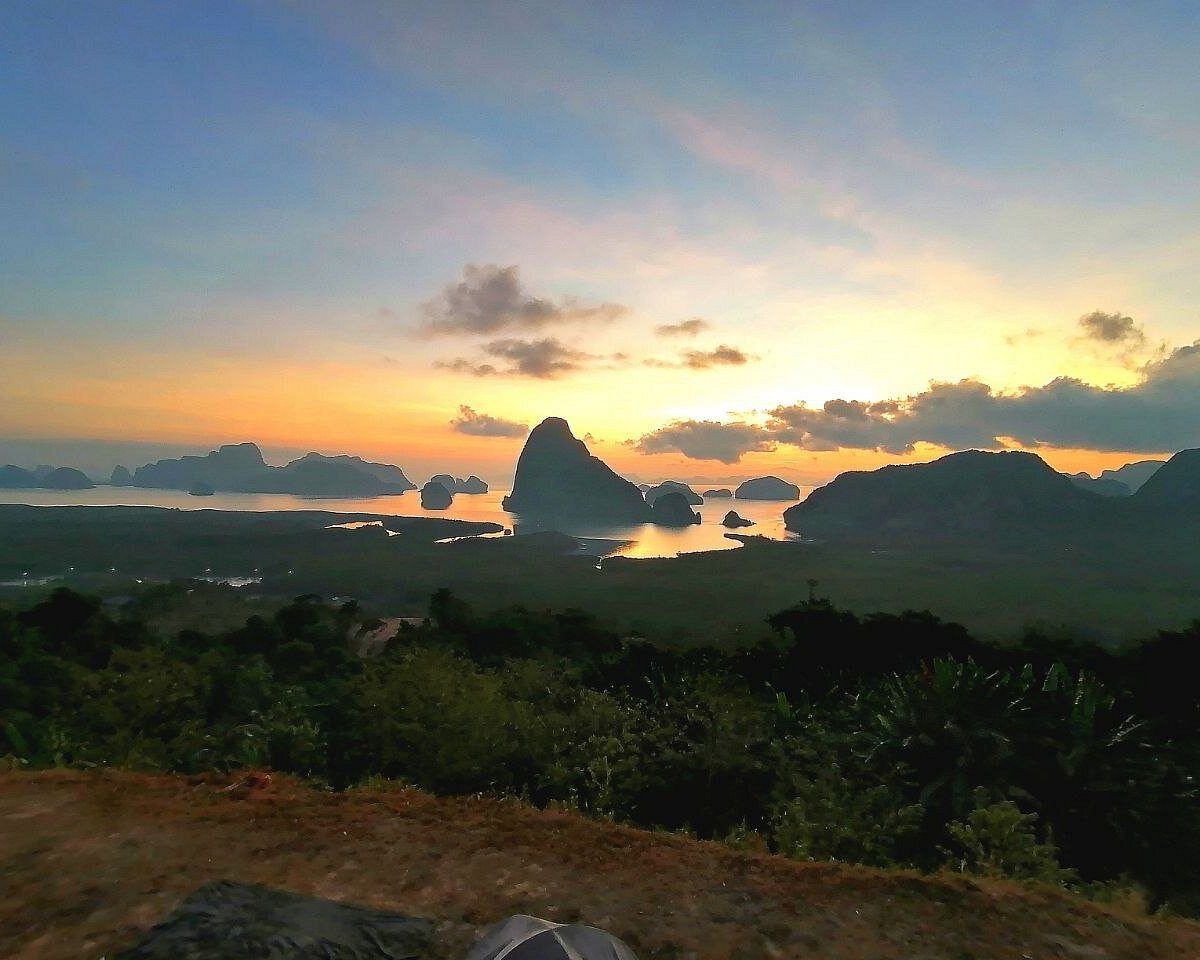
232 581
28 581
641 540
361 525
477 536
648 540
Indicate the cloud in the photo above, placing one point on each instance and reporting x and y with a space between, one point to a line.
463 365
543 359
475 424
491 298
1029 333
1112 328
685 328
706 440
1159 413
722 356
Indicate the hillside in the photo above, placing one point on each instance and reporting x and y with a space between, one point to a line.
961 495
1174 487
93 859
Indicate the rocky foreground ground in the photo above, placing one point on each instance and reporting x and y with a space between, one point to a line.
89 861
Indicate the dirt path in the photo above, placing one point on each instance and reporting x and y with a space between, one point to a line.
89 861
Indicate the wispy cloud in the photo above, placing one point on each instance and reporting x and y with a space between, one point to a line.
722 356
491 298
684 328
476 424
1029 333
543 359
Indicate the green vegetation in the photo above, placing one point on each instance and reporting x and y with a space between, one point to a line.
1117 587
885 739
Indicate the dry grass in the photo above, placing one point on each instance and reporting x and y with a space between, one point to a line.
90 860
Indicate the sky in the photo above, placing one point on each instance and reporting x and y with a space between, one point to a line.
721 239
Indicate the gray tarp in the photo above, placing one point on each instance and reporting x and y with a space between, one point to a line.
236 921
530 938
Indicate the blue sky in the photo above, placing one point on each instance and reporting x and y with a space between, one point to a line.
206 203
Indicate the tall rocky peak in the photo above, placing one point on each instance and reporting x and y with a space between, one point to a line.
555 433
557 476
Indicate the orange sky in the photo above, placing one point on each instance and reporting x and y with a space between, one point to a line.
290 407
329 228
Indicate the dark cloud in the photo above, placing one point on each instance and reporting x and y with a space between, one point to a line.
491 298
1111 328
476 424
722 356
706 440
543 359
685 328
1159 413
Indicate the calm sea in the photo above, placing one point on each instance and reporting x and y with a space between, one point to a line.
647 540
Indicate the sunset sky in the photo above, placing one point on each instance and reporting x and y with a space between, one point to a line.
722 239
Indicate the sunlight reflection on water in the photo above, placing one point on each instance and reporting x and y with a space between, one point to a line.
647 540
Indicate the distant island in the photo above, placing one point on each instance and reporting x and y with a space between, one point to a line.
767 488
674 486
44 478
673 509
240 468
472 486
435 496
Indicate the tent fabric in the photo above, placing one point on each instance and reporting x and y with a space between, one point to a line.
531 938
237 921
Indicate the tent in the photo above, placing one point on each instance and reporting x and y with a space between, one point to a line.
531 938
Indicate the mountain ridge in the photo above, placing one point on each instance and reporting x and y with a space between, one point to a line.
971 492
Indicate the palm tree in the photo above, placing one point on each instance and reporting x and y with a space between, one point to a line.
950 729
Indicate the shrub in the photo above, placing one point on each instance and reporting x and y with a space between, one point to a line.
998 840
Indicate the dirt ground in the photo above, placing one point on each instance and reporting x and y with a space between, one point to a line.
89 861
